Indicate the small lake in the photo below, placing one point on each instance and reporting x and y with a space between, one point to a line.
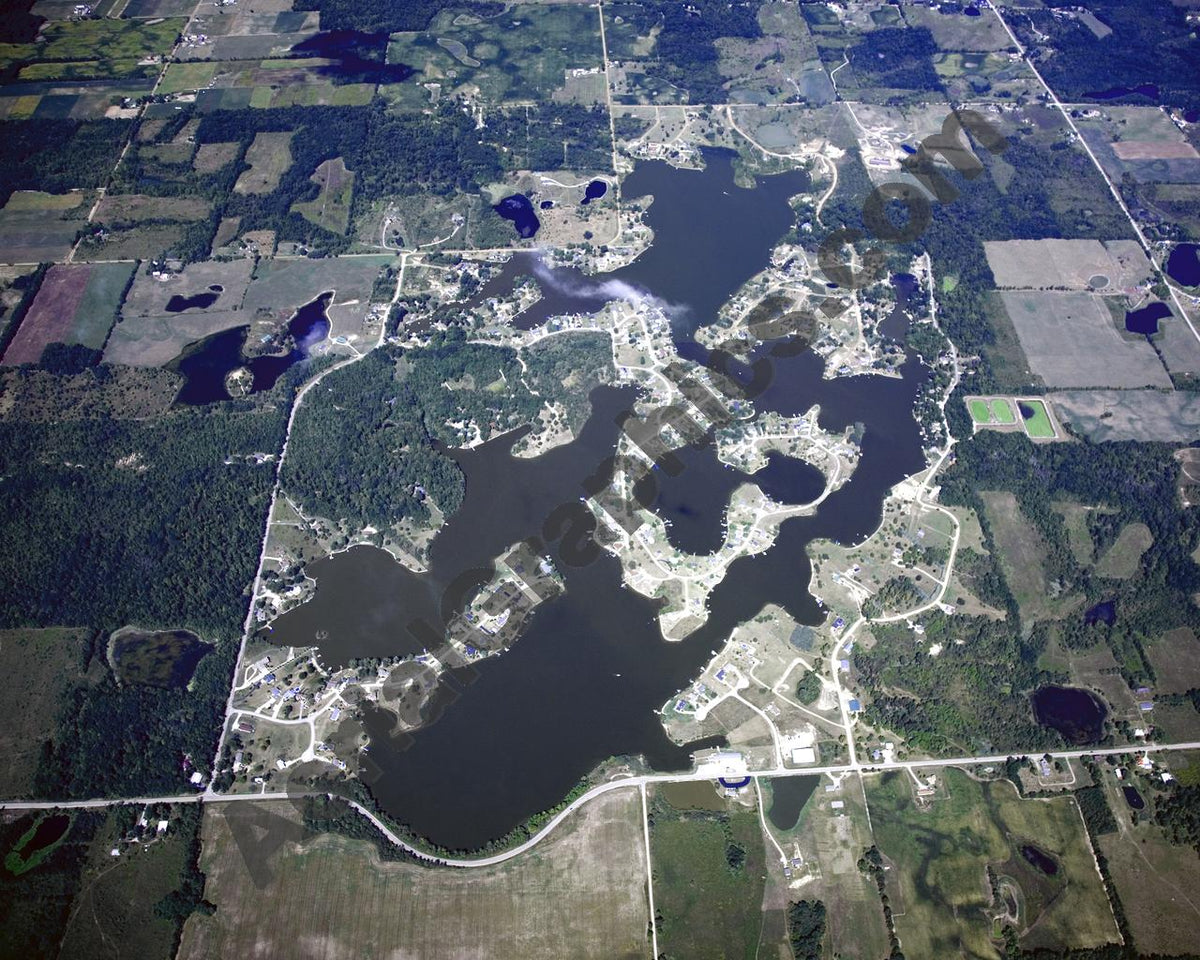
1040 859
1146 319
199 301
788 797
1183 266
49 831
206 363
1075 713
519 209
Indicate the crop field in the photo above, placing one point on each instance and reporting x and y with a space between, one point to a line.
1102 415
1141 142
1071 340
49 662
77 303
1175 657
134 208
155 341
1070 264
269 156
1022 552
938 856
522 54
30 233
708 882
580 893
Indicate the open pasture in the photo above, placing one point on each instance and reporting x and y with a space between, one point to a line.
938 853
135 208
269 156
1071 264
1071 340
957 31
1175 657
524 54
49 662
40 227
581 893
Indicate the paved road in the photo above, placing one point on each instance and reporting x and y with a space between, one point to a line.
638 783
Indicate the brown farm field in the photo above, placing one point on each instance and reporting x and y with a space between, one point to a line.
77 303
579 893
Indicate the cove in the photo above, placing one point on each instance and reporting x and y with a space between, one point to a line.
590 670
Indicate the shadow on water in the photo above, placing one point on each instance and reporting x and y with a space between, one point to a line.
590 670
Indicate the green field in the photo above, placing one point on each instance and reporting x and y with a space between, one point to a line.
939 856
1038 424
1002 412
994 411
708 882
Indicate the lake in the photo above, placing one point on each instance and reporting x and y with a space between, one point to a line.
206 363
1075 713
589 672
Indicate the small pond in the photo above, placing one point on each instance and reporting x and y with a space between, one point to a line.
1104 612
1133 798
49 831
1074 712
198 301
1183 266
788 796
157 658
594 191
1040 859
519 209
1146 319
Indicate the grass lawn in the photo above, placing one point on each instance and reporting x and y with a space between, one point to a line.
1037 420
1002 411
979 411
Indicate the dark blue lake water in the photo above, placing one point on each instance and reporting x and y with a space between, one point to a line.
206 363
1183 266
1146 319
519 209
1075 713
590 670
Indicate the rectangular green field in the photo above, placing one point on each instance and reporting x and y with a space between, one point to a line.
979 411
1038 425
97 311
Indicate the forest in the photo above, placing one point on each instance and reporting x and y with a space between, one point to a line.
59 155
896 58
1151 43
806 929
370 16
